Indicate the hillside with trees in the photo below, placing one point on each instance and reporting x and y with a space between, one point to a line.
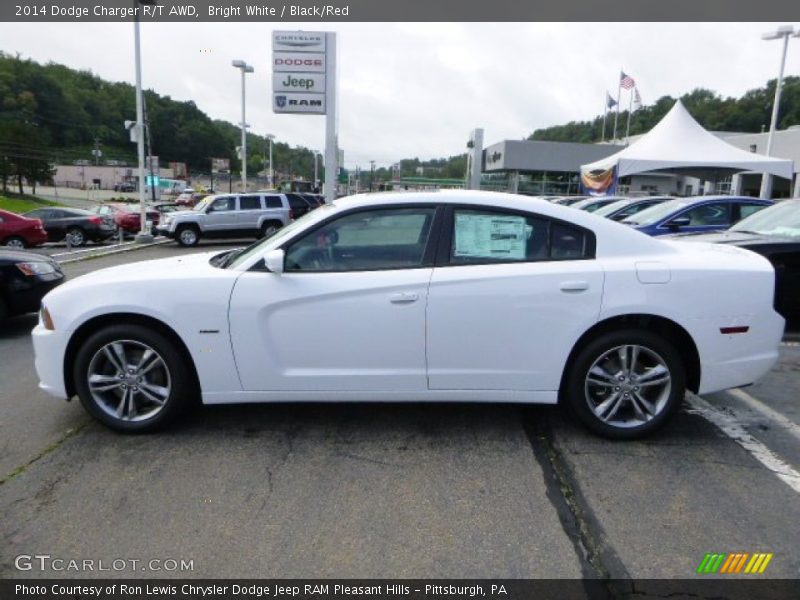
749 114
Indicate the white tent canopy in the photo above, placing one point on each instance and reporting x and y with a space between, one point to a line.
678 143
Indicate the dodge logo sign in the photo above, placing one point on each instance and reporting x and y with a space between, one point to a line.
280 101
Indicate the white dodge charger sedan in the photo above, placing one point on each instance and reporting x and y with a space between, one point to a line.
464 296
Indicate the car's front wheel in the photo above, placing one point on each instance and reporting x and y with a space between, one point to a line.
626 384
188 236
132 378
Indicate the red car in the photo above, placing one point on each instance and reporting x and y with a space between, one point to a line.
20 232
127 217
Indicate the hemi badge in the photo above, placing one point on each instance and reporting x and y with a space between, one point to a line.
209 331
728 330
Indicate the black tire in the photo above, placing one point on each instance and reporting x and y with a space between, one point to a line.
15 242
178 379
270 228
184 235
76 237
656 356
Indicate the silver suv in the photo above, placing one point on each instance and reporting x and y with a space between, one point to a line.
228 216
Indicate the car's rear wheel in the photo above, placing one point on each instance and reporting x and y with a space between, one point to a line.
75 236
16 243
270 228
132 378
626 384
188 236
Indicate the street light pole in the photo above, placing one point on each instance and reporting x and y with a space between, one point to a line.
371 173
245 68
143 236
782 32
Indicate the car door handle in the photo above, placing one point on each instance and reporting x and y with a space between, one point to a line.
574 286
403 298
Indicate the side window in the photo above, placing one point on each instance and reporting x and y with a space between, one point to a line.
273 202
708 214
223 204
568 243
393 238
484 236
249 202
745 210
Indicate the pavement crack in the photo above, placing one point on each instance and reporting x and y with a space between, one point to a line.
599 562
71 432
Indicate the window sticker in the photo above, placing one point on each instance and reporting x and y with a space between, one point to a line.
490 236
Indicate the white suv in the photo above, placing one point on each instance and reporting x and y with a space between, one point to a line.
256 214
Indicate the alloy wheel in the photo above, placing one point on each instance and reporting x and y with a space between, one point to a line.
129 380
628 386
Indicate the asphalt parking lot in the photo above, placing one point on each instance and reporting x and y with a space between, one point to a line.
397 490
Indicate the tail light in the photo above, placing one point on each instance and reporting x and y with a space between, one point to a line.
291 213
39 224
95 220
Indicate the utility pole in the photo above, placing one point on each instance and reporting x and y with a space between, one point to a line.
371 173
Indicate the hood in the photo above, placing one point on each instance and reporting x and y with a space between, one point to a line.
158 271
15 256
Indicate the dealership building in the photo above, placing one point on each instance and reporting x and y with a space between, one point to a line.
553 168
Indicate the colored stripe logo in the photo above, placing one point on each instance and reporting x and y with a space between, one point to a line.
735 562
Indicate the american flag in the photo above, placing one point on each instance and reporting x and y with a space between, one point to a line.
637 99
626 81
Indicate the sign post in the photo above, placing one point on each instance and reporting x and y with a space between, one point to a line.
304 82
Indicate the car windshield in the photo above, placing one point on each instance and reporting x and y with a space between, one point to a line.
783 219
655 213
203 203
608 209
277 238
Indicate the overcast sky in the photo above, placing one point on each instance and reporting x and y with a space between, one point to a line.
418 89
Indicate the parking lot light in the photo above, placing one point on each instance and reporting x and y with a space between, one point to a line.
245 69
783 32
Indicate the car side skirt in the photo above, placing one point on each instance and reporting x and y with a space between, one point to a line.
489 396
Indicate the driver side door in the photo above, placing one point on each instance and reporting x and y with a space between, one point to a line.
347 313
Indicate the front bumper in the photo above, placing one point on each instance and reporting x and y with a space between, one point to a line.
49 348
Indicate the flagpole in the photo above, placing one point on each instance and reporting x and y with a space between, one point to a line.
605 114
619 90
630 107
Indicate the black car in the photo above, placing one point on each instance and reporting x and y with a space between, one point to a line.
315 200
299 205
74 225
773 232
125 186
25 277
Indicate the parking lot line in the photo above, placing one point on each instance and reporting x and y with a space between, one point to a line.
734 430
767 411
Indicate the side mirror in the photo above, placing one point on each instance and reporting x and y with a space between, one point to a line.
274 259
679 222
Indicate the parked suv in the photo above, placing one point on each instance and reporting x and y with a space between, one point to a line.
228 216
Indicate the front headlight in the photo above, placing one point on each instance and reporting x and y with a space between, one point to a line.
36 268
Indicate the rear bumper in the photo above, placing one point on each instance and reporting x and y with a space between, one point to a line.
741 359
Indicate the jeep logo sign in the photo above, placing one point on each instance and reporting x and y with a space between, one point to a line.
298 82
305 62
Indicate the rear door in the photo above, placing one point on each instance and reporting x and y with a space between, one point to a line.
250 210
510 294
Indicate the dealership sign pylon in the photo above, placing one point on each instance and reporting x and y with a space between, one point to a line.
304 82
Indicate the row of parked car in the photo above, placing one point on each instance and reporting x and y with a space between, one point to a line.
73 225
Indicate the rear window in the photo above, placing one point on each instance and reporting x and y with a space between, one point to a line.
273 202
296 201
249 202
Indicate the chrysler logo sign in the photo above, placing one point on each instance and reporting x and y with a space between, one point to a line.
298 41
